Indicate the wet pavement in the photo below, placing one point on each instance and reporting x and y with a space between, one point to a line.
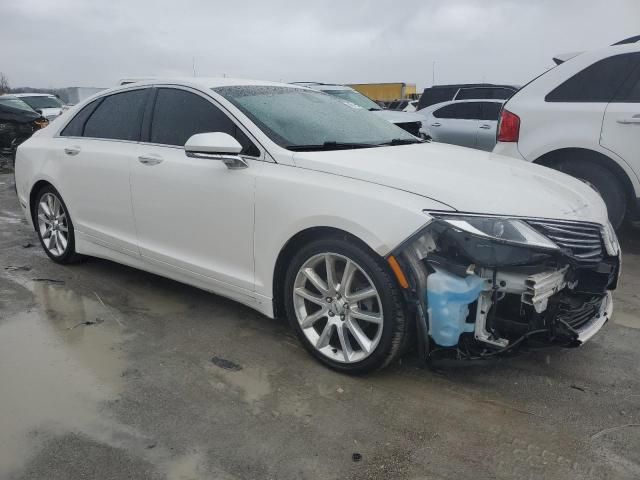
108 372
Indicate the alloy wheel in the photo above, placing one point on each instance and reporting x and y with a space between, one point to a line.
52 224
338 307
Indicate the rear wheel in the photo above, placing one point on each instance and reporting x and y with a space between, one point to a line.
605 183
54 226
345 305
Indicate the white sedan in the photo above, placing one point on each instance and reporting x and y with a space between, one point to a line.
296 204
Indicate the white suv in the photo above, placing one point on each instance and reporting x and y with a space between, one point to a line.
583 118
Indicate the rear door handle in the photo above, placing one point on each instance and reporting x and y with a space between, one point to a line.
435 124
485 127
629 120
150 159
72 150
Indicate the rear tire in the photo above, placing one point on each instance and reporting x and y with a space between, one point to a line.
605 183
54 226
335 316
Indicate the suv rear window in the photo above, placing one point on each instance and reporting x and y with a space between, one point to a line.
598 82
491 111
462 111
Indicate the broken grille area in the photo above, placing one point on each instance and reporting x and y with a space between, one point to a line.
576 311
582 241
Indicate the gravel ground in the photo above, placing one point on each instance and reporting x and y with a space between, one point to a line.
111 373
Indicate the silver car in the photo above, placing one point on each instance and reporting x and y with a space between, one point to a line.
468 123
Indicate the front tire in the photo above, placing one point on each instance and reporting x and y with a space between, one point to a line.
605 183
345 305
54 226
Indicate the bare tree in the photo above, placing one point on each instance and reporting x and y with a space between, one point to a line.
4 84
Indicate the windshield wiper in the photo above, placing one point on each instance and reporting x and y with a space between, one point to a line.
373 109
402 141
329 146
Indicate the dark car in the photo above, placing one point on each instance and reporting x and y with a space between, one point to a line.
18 121
465 91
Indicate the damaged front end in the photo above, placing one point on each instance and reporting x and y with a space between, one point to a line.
483 285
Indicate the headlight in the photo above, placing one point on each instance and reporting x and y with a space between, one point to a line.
483 241
505 230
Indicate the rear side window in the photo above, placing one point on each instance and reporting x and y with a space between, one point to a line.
598 82
75 128
118 117
462 111
490 111
178 115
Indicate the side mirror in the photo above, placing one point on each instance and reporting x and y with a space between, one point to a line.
216 146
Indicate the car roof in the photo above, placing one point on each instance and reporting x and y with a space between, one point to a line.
203 82
628 45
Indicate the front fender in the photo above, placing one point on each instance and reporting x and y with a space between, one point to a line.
382 217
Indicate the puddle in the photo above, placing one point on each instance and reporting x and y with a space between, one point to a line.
55 377
156 301
187 467
251 382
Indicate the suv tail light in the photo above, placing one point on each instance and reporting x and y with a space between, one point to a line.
508 127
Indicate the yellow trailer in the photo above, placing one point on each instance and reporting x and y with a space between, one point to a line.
386 91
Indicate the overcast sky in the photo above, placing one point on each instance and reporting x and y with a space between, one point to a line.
57 43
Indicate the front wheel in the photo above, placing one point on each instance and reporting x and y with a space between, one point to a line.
345 305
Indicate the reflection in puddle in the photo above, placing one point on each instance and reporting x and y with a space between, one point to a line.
157 301
54 376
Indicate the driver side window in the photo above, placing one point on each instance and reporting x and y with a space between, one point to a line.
178 115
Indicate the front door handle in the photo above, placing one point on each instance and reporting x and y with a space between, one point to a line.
485 127
150 159
435 124
635 119
72 150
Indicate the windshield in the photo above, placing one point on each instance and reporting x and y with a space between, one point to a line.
42 102
16 103
354 97
296 118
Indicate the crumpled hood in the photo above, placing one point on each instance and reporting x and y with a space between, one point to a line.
399 117
466 180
